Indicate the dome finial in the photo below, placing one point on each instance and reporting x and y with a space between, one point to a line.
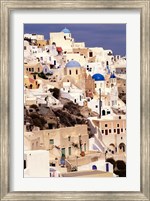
65 30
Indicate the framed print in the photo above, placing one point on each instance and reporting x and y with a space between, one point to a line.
66 133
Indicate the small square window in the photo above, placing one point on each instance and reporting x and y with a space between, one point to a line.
51 141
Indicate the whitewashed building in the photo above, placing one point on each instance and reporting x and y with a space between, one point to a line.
36 163
71 92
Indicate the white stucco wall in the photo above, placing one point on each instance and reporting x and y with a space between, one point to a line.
60 41
100 164
37 163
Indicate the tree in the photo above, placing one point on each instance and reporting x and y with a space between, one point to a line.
120 165
49 74
120 168
42 75
120 173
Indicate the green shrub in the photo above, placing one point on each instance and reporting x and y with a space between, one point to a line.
42 75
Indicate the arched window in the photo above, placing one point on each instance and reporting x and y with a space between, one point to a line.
122 147
94 167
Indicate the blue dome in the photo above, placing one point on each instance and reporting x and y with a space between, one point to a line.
98 77
73 63
112 75
65 30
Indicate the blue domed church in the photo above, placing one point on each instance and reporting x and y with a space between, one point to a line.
99 82
66 31
98 77
76 74
73 68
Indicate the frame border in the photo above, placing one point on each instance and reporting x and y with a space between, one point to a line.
6 7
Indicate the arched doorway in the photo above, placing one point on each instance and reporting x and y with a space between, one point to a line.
112 148
94 167
122 147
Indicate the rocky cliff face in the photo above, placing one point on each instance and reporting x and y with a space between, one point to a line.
122 96
43 116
